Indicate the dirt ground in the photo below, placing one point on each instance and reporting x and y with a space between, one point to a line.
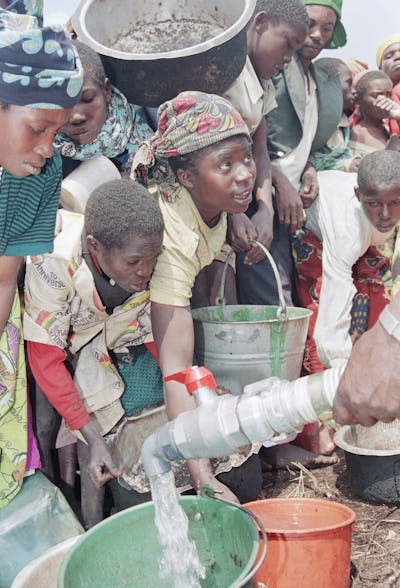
376 538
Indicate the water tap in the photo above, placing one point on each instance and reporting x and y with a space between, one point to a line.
268 410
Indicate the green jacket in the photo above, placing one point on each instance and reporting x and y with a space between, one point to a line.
285 123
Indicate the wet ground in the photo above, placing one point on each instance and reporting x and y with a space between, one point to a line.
376 539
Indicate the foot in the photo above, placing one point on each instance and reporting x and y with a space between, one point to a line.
281 456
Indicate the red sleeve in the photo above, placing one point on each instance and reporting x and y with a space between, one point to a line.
52 376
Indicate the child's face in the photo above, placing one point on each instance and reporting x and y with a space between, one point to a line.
366 102
129 266
272 45
224 177
89 114
27 137
346 82
381 206
391 62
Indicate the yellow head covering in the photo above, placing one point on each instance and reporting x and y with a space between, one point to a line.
384 45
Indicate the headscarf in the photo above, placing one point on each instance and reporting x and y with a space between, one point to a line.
187 123
123 130
339 37
32 7
39 67
385 45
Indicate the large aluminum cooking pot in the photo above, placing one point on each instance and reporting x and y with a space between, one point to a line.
151 78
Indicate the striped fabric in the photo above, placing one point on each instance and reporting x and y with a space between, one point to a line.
28 208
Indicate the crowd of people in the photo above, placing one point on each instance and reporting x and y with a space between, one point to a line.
301 154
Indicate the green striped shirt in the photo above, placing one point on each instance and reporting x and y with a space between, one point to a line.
28 208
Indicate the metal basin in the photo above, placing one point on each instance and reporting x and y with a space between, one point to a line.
243 344
150 78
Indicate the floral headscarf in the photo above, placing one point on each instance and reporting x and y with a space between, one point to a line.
39 67
187 123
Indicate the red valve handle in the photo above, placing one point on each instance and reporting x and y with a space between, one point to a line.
194 378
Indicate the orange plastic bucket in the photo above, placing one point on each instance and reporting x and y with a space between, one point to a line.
309 543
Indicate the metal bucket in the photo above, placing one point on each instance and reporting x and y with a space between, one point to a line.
149 79
241 344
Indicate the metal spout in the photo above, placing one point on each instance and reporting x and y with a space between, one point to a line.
270 410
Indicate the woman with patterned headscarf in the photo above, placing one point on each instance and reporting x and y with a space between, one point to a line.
40 81
199 165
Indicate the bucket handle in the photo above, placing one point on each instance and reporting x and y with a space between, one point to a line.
209 492
282 310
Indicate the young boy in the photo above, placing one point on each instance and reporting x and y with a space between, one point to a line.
88 313
277 30
347 226
200 166
309 108
375 106
37 90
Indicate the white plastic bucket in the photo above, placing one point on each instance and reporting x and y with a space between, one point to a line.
77 187
43 571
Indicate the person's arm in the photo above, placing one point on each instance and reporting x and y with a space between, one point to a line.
263 218
242 229
51 375
369 389
309 185
288 201
174 337
47 353
9 268
345 238
389 108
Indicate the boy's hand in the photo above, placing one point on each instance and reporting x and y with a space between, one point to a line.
263 222
290 207
101 466
389 108
309 185
355 163
242 229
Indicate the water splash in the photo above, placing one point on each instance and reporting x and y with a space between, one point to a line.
180 562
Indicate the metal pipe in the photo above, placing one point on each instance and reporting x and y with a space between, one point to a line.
270 410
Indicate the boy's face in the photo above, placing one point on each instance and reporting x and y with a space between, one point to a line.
381 206
366 102
271 46
27 137
88 115
322 25
129 266
346 82
223 179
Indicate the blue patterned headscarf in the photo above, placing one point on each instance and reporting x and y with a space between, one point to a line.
32 7
39 67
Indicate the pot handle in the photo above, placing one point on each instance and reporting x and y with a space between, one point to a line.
282 310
